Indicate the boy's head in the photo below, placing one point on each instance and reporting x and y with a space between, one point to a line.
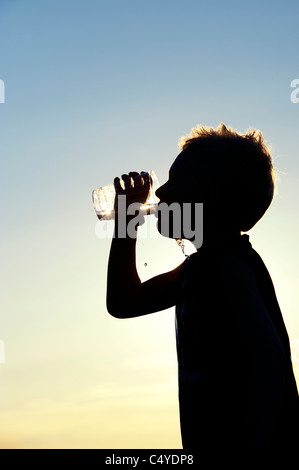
231 173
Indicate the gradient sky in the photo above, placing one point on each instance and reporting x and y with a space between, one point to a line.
94 89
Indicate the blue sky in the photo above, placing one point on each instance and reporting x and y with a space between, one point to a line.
95 89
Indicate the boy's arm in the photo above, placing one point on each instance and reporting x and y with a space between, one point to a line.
127 296
268 356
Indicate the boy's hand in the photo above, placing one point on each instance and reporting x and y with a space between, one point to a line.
136 188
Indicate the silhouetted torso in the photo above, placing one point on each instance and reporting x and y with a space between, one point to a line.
215 360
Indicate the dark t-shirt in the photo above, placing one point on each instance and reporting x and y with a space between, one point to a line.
214 358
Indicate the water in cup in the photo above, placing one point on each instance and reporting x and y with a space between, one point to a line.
104 197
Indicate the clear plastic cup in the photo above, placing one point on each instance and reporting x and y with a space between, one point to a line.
104 197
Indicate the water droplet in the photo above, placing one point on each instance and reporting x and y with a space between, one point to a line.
181 244
145 264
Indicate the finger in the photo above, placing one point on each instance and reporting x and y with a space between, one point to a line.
135 178
138 181
127 181
146 179
117 185
145 175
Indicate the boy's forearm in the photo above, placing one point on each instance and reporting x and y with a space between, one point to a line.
122 272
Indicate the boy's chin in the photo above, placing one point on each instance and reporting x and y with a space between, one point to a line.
173 233
168 232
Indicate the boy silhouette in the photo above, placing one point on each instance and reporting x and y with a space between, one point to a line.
237 391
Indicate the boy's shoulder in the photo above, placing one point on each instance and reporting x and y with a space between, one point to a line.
232 267
221 267
236 279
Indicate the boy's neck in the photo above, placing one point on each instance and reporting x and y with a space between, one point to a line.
213 238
